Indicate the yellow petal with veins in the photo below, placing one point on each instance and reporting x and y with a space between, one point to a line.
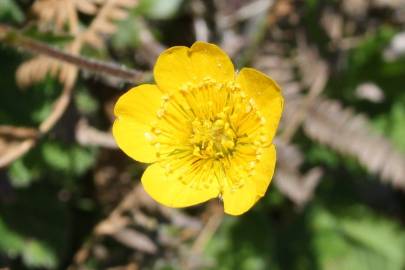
168 190
179 66
135 111
265 93
264 170
237 202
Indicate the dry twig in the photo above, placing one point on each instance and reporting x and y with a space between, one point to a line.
87 135
17 132
30 71
108 68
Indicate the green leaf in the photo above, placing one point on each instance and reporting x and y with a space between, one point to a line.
20 175
127 34
72 159
9 11
321 154
56 156
85 103
159 9
82 158
371 47
37 254
375 234
33 226
358 240
392 124
10 242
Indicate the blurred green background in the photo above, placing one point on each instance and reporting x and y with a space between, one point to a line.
337 201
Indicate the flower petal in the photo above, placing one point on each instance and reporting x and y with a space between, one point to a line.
239 201
264 170
171 192
266 94
180 65
135 111
211 61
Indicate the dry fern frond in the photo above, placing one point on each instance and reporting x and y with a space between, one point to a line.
344 131
57 13
297 187
327 121
88 6
104 23
35 70
52 12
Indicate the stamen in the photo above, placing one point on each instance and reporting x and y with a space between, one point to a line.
210 133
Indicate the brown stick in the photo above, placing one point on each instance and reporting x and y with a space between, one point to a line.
14 38
18 132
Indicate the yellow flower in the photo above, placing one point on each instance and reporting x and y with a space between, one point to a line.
206 130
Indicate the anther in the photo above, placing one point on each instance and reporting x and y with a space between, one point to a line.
197 151
168 169
259 152
219 124
160 113
156 131
157 146
263 120
149 136
185 88
248 108
228 144
154 124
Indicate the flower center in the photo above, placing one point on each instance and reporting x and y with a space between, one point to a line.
210 133
212 138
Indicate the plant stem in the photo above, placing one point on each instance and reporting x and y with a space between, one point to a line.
12 37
